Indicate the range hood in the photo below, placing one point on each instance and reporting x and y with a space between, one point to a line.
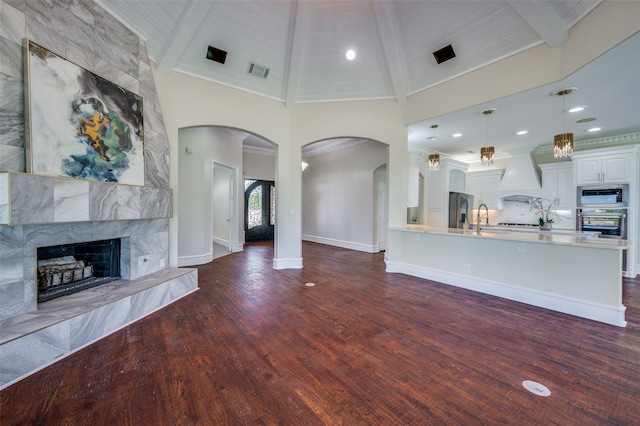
521 180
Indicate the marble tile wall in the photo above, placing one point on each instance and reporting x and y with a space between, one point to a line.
43 199
84 33
144 251
42 210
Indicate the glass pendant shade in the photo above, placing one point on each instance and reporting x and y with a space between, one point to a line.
487 152
434 162
486 155
563 142
563 145
434 159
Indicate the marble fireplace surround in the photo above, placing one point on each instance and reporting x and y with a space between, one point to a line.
40 211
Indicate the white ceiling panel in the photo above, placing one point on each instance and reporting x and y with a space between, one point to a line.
395 41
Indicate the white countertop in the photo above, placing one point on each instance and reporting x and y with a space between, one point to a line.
529 235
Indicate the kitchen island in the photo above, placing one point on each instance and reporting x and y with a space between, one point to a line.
565 272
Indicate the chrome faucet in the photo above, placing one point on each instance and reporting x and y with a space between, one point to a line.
478 218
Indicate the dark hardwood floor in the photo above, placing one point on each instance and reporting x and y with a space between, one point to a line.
256 346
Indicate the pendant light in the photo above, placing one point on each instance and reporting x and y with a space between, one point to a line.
563 142
487 152
434 159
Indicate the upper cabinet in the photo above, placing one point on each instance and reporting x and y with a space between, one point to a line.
602 166
484 188
557 183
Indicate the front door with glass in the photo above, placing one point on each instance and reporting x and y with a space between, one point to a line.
259 209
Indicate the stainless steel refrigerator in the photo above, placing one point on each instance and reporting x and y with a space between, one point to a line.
460 206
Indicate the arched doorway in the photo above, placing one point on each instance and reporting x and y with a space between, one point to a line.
344 193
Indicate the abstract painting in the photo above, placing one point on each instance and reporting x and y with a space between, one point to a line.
78 124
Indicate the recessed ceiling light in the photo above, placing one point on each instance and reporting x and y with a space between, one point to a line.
432 138
522 132
576 109
351 54
586 120
457 135
470 152
594 129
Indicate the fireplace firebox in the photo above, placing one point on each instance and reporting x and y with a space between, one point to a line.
70 268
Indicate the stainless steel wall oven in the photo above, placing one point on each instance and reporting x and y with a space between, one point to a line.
610 223
603 209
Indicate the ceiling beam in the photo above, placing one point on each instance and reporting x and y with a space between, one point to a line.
296 53
544 20
182 33
390 43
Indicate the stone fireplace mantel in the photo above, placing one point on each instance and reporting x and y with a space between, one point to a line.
34 199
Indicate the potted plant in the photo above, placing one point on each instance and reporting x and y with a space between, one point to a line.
543 206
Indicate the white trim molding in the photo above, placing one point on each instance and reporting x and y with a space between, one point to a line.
367 248
291 263
199 259
554 302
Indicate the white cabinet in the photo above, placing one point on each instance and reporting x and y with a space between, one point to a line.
615 166
484 188
596 167
557 183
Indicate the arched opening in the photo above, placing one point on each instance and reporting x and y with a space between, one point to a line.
340 193
213 163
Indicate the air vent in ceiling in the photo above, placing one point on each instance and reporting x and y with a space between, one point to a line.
258 70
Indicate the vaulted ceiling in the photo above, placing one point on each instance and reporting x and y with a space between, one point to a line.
303 43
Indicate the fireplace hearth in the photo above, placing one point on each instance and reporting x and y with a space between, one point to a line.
70 268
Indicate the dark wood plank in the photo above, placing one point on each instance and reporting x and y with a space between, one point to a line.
256 346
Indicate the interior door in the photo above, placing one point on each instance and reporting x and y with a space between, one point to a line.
259 210
222 207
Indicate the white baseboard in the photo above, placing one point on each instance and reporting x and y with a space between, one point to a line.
367 248
293 263
200 259
579 308
221 241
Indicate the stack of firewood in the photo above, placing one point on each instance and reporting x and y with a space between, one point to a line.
62 270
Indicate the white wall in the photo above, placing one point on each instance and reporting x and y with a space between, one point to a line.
188 101
195 173
338 196
258 166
